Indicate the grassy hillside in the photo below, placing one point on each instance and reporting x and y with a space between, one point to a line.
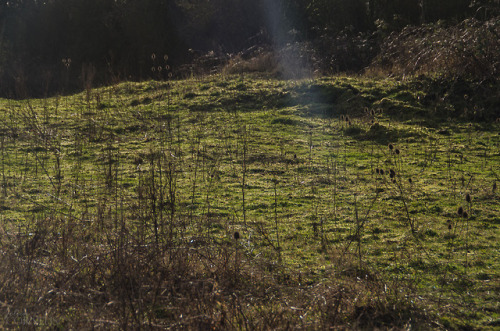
245 203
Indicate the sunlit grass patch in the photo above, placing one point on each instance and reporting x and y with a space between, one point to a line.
344 193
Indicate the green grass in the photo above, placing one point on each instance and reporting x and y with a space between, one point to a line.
118 210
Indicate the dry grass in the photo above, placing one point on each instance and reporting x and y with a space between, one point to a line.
469 49
66 277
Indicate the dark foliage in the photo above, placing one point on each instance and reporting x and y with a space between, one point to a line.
116 39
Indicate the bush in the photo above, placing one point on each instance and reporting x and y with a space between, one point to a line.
293 61
261 61
470 49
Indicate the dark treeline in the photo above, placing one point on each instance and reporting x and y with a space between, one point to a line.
57 46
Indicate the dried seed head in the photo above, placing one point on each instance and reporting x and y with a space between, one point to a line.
382 172
460 211
468 198
236 235
449 224
66 62
494 187
397 151
377 170
392 173
391 147
410 181
465 215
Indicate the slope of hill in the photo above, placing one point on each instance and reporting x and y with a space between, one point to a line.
237 202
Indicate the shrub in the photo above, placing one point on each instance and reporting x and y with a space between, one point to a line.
470 49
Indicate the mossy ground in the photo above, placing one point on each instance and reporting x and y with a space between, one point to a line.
295 167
